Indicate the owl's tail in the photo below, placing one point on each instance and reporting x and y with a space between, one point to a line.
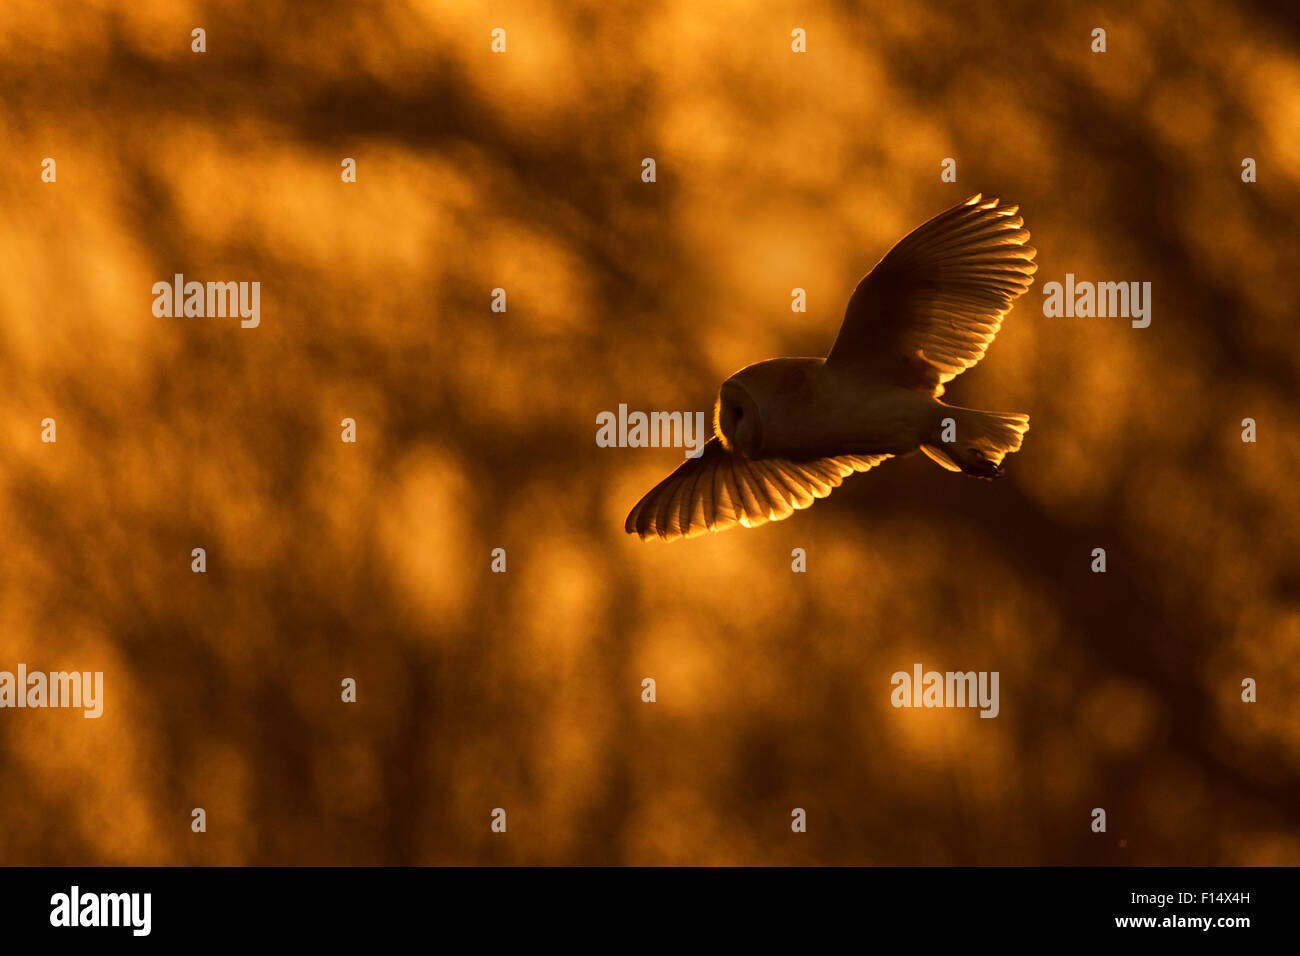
975 442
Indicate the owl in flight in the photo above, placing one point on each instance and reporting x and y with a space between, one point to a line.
788 430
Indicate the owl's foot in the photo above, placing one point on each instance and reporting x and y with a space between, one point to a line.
977 464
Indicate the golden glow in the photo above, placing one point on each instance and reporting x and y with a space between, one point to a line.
522 690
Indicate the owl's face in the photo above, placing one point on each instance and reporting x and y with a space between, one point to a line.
737 420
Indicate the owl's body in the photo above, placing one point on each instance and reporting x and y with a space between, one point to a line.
789 430
811 409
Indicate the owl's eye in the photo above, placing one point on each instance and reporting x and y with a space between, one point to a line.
738 412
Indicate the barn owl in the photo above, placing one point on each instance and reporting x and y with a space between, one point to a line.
788 431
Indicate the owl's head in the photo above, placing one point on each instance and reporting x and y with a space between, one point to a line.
737 420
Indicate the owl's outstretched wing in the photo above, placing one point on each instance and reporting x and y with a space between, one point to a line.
719 490
931 306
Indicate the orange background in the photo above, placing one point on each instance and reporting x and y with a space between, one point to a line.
477 430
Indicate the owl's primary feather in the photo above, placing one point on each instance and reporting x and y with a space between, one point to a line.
934 302
718 490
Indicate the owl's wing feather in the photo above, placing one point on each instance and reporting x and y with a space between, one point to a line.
719 490
931 306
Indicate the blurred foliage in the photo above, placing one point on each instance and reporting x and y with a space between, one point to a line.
476 430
